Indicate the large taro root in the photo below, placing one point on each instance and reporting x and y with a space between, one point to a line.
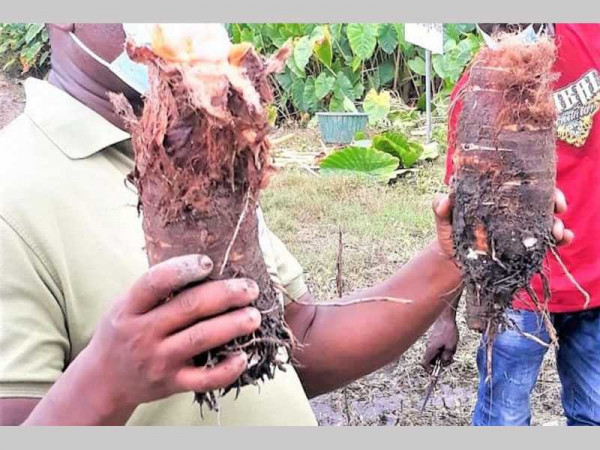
201 160
503 186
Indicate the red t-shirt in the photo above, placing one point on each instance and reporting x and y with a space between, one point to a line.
577 99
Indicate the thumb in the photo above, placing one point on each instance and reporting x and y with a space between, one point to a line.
442 207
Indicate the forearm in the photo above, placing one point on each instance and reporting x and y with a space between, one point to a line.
80 397
345 343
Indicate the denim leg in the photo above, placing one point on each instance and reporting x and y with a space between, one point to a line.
578 362
516 361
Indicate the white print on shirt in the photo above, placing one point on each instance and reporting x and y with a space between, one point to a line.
576 105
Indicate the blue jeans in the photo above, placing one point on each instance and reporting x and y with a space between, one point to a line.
516 361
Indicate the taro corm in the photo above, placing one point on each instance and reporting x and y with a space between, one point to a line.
201 160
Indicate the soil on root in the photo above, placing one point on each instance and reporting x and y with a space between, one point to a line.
503 187
199 178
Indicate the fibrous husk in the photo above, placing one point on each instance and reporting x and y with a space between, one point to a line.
201 159
504 177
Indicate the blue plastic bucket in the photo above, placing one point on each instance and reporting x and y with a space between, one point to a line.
340 128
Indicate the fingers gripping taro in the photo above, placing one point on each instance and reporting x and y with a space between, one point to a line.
503 186
201 159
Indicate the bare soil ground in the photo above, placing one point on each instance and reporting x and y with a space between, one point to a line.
383 226
12 99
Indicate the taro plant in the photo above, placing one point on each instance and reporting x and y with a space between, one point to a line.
389 154
24 47
342 67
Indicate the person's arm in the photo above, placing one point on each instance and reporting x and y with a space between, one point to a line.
443 337
344 343
341 344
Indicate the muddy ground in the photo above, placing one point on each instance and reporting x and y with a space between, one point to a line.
393 395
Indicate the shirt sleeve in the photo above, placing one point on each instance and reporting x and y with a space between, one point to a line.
284 269
34 344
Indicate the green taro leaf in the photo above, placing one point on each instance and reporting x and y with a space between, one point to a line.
310 100
388 40
399 145
451 31
247 35
284 79
298 93
236 33
323 85
377 106
291 64
417 65
373 79
302 51
323 49
336 31
336 104
33 30
343 87
349 105
387 70
29 54
361 160
362 38
359 89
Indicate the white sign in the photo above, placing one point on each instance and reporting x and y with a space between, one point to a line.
427 35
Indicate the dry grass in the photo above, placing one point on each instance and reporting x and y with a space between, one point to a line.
383 226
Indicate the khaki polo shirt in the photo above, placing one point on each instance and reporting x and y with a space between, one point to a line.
71 241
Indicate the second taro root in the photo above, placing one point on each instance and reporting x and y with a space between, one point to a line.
504 178
201 159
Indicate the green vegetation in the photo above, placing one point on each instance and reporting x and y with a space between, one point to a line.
24 47
338 66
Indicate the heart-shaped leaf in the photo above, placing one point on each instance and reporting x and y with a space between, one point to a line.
323 85
343 87
323 49
302 51
377 106
387 37
367 161
362 38
417 65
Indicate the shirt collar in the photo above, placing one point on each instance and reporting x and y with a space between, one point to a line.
75 129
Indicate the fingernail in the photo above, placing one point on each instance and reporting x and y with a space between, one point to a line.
251 286
254 314
205 263
242 356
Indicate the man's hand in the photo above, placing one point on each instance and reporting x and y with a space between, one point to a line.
143 348
441 343
442 208
443 336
